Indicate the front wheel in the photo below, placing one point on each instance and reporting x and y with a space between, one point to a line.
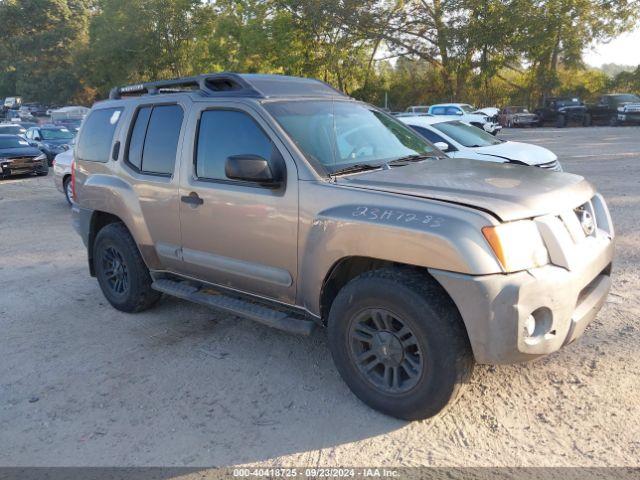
399 343
561 121
586 120
121 272
613 121
68 189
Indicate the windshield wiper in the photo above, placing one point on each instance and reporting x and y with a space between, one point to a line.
411 158
358 167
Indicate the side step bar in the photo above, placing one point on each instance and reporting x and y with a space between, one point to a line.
259 313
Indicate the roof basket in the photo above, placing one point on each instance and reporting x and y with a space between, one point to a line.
208 84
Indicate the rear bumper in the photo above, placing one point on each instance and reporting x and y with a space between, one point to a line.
495 308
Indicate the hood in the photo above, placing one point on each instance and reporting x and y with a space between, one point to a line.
19 152
521 152
57 142
490 111
510 192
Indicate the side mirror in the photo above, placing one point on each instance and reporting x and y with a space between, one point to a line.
444 146
251 168
37 138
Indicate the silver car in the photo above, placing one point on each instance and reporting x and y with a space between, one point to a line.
62 174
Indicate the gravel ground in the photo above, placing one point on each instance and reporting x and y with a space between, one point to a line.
82 384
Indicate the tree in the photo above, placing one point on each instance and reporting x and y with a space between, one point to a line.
41 40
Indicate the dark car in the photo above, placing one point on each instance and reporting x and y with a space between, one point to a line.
561 111
614 109
36 109
12 129
51 139
18 157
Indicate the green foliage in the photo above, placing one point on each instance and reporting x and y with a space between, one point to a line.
409 52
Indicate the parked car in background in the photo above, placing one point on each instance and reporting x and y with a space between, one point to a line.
461 140
466 113
614 109
62 173
51 139
36 109
13 129
518 117
17 157
12 103
70 123
418 109
25 113
561 111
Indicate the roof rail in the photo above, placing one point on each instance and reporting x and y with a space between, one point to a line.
232 84
229 84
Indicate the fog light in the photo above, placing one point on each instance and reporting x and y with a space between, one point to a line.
538 325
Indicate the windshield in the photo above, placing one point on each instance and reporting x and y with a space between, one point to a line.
56 134
568 102
467 108
628 98
337 134
466 135
12 129
13 142
520 110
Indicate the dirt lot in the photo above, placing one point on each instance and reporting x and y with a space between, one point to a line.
83 384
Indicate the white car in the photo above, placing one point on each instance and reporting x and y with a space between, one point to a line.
62 173
466 113
460 140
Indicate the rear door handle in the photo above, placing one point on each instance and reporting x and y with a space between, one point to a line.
192 199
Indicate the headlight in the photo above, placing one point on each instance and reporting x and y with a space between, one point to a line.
517 245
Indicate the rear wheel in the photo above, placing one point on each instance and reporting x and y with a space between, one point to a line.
613 121
586 120
561 121
399 343
121 272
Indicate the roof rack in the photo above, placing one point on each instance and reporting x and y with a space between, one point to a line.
232 84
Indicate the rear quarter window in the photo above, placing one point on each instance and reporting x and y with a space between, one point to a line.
94 144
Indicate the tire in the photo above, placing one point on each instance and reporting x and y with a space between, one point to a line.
66 186
561 121
613 121
403 300
129 289
586 120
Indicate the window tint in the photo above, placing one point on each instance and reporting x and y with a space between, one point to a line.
224 133
154 139
136 142
94 144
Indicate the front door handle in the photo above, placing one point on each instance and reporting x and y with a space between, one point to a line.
192 199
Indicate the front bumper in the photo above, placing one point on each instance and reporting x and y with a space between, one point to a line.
23 166
564 296
629 117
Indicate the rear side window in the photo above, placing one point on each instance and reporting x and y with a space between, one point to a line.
428 134
153 144
223 133
438 111
94 145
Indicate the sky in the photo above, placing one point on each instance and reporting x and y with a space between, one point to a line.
624 50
